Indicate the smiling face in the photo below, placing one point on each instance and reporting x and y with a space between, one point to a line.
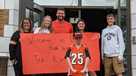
81 25
60 15
26 24
47 21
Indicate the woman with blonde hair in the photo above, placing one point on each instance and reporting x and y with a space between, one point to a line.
15 48
45 26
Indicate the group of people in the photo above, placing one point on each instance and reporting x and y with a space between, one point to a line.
77 56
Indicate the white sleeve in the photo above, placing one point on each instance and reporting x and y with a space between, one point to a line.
36 30
121 42
102 44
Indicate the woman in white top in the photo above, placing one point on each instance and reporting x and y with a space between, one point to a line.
45 26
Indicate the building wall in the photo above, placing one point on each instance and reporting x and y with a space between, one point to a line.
11 25
23 4
113 3
133 33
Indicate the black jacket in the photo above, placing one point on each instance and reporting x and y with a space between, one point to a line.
15 50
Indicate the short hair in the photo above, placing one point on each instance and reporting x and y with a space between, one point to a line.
61 9
110 15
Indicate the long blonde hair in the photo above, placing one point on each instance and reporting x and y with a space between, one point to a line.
42 24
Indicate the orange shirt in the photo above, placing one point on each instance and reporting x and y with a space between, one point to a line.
77 57
62 27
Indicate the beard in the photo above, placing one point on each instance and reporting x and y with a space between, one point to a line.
60 18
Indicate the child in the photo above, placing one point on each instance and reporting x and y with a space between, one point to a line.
77 57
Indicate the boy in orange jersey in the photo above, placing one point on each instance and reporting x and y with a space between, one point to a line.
78 57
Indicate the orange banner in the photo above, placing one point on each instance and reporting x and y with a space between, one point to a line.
44 53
